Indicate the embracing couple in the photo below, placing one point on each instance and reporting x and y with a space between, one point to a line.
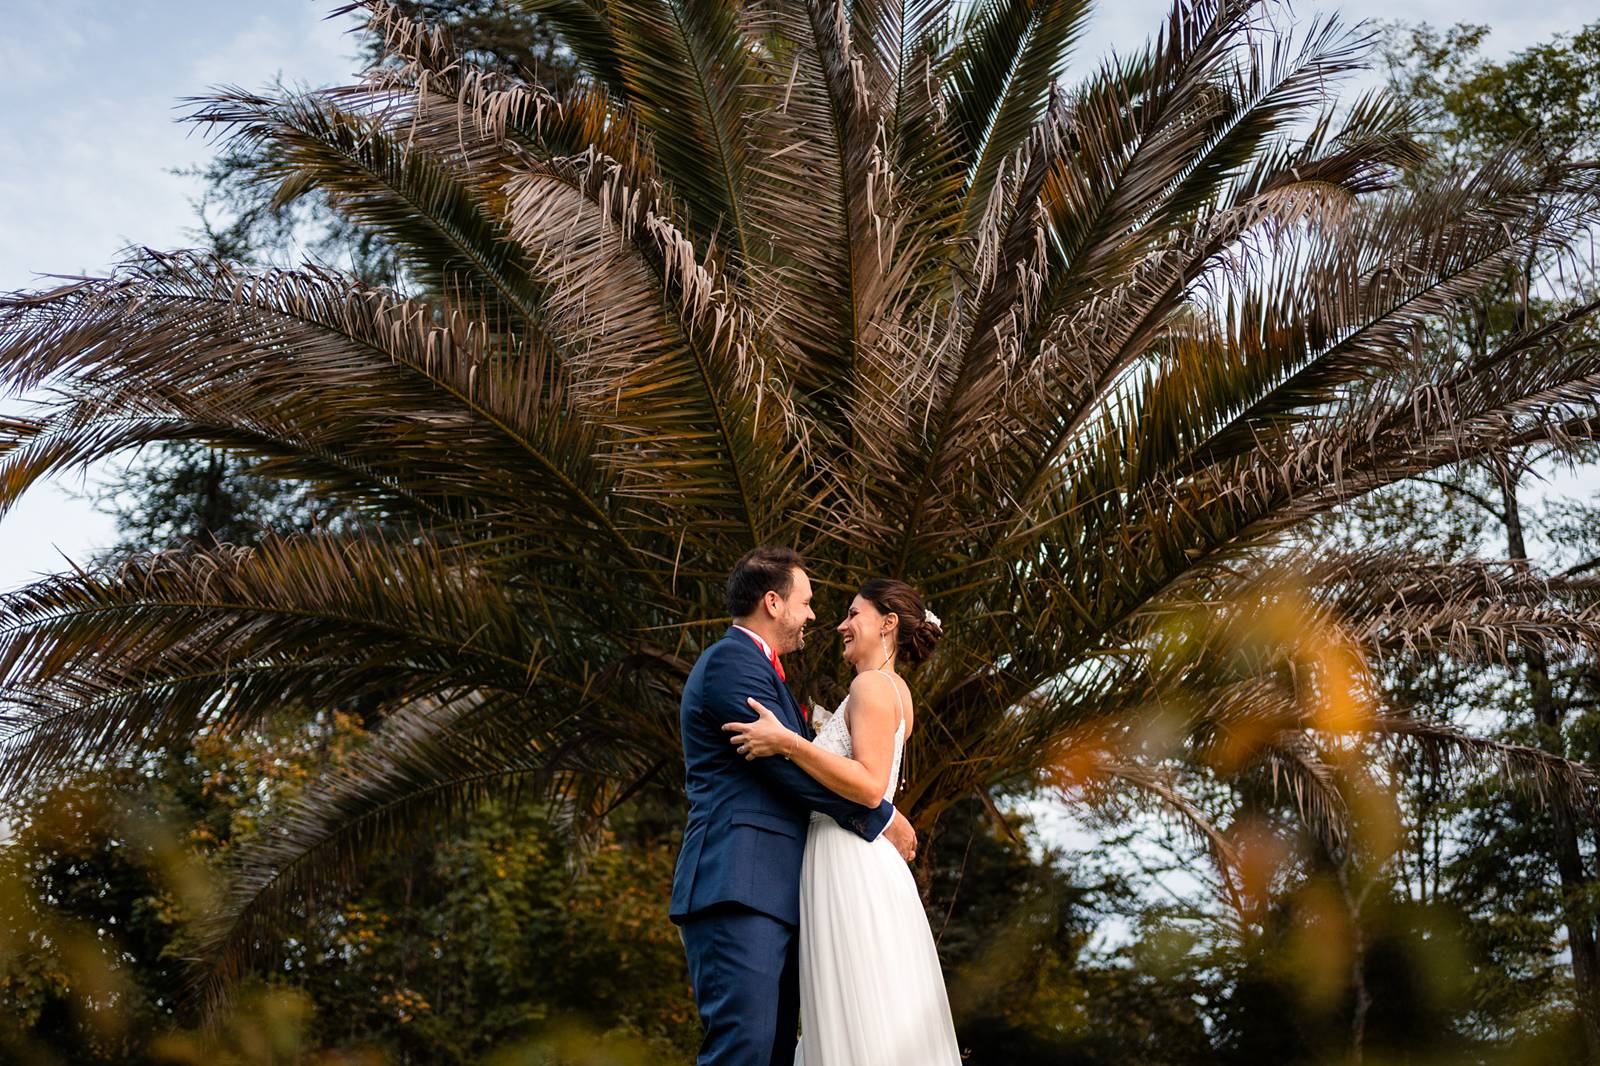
792 891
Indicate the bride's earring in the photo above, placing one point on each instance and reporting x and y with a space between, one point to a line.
883 639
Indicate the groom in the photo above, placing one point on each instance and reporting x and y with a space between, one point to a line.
736 892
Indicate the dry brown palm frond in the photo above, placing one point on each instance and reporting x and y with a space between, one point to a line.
685 365
1081 362
173 642
1294 766
322 351
1548 777
1169 793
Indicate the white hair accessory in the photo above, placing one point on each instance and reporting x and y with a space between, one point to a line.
932 619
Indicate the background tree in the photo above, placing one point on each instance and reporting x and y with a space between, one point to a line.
1076 363
444 955
1542 96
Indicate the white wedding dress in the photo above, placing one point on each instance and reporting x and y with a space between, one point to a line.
871 991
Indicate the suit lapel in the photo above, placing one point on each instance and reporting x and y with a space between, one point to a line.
788 708
793 708
805 720
797 717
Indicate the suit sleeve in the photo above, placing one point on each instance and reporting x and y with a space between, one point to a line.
727 687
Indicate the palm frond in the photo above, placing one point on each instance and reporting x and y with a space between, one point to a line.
132 345
1548 778
99 663
1082 362
1010 54
433 214
1170 795
585 27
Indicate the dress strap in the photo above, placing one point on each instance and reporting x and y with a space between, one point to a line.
898 703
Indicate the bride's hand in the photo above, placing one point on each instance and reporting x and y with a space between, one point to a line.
764 736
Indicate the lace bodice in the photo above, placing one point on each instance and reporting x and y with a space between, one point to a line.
834 735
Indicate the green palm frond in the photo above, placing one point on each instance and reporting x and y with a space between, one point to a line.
585 27
434 214
1011 53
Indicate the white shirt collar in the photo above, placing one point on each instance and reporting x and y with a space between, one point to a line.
766 649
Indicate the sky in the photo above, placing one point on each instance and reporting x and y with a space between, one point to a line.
90 94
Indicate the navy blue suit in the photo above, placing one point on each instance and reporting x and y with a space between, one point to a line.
736 891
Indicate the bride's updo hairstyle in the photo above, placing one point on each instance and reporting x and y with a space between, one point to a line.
917 636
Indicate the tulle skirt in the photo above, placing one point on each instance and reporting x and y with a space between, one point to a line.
871 990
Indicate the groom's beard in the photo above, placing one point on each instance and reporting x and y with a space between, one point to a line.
794 635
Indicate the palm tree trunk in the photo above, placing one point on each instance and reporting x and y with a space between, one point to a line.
1562 836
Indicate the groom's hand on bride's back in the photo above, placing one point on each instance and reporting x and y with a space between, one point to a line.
904 838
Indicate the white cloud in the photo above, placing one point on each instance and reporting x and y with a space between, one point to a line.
90 91
48 529
1516 25
65 34
86 161
309 48
85 194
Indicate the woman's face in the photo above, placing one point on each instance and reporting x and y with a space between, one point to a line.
862 633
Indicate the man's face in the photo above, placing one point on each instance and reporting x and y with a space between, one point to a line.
794 613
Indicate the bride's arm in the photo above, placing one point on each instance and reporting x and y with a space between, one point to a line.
873 719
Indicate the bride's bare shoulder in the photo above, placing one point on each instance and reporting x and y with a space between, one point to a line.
871 684
878 688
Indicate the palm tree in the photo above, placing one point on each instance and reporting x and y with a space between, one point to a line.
857 278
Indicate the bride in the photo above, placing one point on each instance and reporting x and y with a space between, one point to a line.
871 991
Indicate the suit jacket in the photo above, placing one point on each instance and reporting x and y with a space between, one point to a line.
746 833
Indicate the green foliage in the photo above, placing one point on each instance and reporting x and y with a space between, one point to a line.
492 34
188 494
1548 94
88 958
1518 877
499 932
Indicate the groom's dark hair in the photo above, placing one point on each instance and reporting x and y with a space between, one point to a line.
760 571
